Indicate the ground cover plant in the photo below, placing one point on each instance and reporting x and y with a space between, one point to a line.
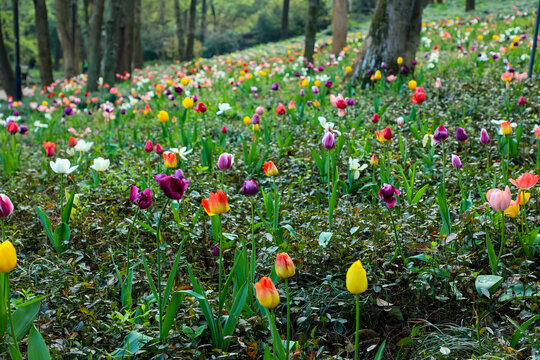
250 206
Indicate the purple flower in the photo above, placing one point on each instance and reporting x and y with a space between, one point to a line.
314 89
215 250
255 119
328 84
460 134
178 90
143 199
225 161
23 129
274 87
123 111
6 206
297 74
456 162
253 89
321 68
173 186
249 188
302 92
441 133
329 140
388 193
414 62
350 102
484 137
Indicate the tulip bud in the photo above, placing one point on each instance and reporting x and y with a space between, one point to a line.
6 206
412 84
329 140
215 250
400 121
270 169
249 188
8 257
441 133
12 128
460 134
267 293
259 110
522 101
456 162
72 142
484 137
356 279
375 118
224 129
506 129
159 149
49 148
149 147
284 266
374 161
438 84
225 161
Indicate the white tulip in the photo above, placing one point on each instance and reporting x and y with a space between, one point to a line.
83 146
223 107
62 166
101 164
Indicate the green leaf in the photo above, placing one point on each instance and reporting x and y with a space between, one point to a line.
133 342
37 349
419 194
172 309
66 212
23 318
493 260
62 233
521 329
234 315
324 238
380 352
46 224
487 284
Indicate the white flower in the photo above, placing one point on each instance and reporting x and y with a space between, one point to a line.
444 350
62 166
223 107
354 165
428 137
83 146
328 126
40 125
182 152
101 164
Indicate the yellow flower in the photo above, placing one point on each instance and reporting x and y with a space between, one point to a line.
495 37
399 60
163 116
412 84
185 81
480 37
316 103
506 129
317 83
377 75
348 69
188 103
515 39
8 257
356 278
45 103
249 76
247 120
512 211
524 198
304 83
255 127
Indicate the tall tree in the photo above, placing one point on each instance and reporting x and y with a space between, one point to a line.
311 30
179 29
125 38
44 43
66 26
203 20
137 44
339 25
469 5
7 77
94 44
394 32
111 27
285 20
191 30
213 14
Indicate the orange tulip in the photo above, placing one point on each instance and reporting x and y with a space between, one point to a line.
525 181
267 293
270 169
284 266
506 129
216 203
170 159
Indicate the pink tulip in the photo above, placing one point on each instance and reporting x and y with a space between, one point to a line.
6 206
499 200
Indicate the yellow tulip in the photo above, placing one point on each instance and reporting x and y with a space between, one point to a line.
356 278
8 257
348 69
524 198
247 120
412 84
377 75
400 60
185 81
187 102
512 211
163 116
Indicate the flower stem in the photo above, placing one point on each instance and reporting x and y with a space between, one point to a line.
61 193
502 238
158 244
444 166
398 243
3 231
288 318
253 264
357 326
8 300
220 263
128 238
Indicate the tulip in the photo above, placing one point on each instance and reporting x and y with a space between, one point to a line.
255 119
163 116
456 162
441 133
340 103
72 142
375 118
373 161
142 199
159 149
270 169
384 135
267 293
259 110
388 193
399 60
170 160
49 148
525 181
200 108
329 140
400 121
522 101
460 134
356 278
284 266
274 87
12 128
419 95
438 84
216 203
412 84
101 164
62 166
506 129
8 257
249 188
188 103
512 211
6 206
225 161
499 200
215 250
280 110
484 137
23 129
149 147
173 186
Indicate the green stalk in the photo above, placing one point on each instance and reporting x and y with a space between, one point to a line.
502 237
220 263
158 243
357 326
253 264
10 318
3 231
398 243
61 193
444 167
129 237
288 318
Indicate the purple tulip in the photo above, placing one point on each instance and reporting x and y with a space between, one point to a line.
255 119
388 194
329 140
314 89
23 129
350 102
441 133
249 188
225 161
6 206
274 87
456 162
173 186
178 90
460 134
484 137
297 74
215 250
123 111
328 84
143 199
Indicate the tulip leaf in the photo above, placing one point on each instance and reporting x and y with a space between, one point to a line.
66 212
46 223
62 233
324 238
234 315
24 317
133 342
37 349
172 309
419 194
488 283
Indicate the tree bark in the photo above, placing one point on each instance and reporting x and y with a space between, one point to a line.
65 23
111 27
125 38
339 26
7 77
203 20
311 30
137 45
94 44
44 43
285 20
191 30
213 14
394 32
179 29
469 5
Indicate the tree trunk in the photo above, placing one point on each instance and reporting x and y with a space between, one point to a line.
94 44
7 77
213 14
109 55
57 52
137 45
311 30
124 38
44 43
285 20
469 5
179 29
203 20
394 32
191 30
65 24
339 26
